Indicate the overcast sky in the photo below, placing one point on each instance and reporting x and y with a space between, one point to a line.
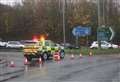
9 2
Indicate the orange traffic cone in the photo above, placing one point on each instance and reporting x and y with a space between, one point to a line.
90 53
80 55
56 56
25 61
12 64
72 56
40 60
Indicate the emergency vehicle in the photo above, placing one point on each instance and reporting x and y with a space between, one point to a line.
44 49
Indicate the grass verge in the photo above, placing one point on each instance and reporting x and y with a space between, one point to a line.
86 51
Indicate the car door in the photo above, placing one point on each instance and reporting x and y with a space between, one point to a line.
104 45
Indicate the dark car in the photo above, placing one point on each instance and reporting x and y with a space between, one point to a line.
70 46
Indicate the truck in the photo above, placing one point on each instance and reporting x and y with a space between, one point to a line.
42 49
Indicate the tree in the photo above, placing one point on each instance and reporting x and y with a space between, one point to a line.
36 17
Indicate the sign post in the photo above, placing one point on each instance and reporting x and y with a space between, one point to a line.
112 33
80 31
104 34
77 41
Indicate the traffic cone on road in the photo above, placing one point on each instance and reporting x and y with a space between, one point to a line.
72 56
25 61
90 53
56 56
12 64
80 55
40 60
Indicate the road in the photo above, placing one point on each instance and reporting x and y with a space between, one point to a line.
6 71
87 69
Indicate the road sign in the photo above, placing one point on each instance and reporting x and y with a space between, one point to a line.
105 33
112 33
102 36
81 31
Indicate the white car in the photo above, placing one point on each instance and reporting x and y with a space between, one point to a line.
60 46
2 44
14 44
104 45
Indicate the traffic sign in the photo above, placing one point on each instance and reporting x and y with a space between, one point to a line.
81 31
102 36
105 33
112 33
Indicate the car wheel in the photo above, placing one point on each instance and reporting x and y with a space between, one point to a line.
110 47
94 48
62 54
45 56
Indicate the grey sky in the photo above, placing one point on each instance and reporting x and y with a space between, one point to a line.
9 2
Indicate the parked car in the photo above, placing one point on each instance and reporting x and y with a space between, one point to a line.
60 46
2 44
104 45
69 46
14 44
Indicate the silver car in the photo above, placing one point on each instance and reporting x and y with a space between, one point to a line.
14 44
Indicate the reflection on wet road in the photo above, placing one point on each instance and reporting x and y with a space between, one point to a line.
86 69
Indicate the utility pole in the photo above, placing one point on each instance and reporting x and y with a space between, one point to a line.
99 13
104 12
63 10
99 22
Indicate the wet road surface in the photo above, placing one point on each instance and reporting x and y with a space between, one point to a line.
86 69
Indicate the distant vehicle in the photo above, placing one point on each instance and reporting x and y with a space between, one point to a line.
104 45
14 44
2 44
27 41
118 43
69 46
60 46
